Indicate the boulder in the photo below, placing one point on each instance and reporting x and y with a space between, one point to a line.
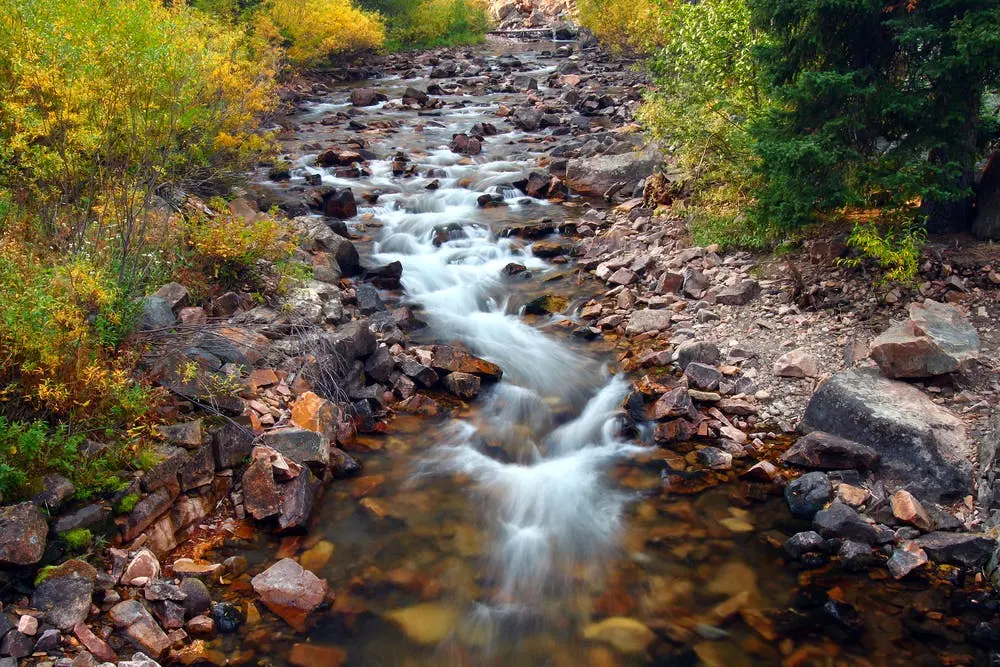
452 359
56 490
908 509
843 521
970 550
290 591
922 445
155 313
140 627
808 494
176 296
260 492
300 445
739 295
674 403
23 532
463 385
935 340
822 451
315 413
143 566
701 351
197 599
596 175
366 97
648 319
65 594
298 497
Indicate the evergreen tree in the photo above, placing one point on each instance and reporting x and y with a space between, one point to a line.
875 104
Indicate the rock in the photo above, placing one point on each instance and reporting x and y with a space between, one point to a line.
527 118
675 403
922 446
702 376
339 203
548 249
446 358
368 299
16 644
622 276
385 277
260 492
199 470
298 497
300 445
852 495
197 599
806 542
85 517
227 617
155 314
418 96
796 364
908 509
714 458
427 624
762 472
596 175
641 321
201 626
905 560
140 627
823 451
626 635
855 556
231 444
144 565
290 591
23 529
739 295
65 595
840 520
808 494
970 550
366 97
701 351
187 434
315 655
547 304
27 625
94 644
463 385
935 340
49 641
176 296
695 283
56 490
148 510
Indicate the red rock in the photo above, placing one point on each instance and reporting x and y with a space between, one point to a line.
674 403
144 564
908 509
290 591
314 413
260 492
312 655
97 646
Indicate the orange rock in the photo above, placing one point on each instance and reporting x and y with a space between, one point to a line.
908 509
312 655
314 413
263 377
366 485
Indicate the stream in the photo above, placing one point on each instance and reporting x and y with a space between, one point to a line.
530 526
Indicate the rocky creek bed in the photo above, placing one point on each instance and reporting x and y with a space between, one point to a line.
517 419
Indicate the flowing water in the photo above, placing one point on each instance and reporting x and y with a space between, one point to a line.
516 523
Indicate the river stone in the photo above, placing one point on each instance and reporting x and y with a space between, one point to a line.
905 560
17 645
428 624
808 494
840 520
23 531
300 445
197 598
648 319
703 376
290 591
260 493
855 556
297 500
822 451
922 445
463 385
627 635
970 550
596 175
65 595
935 340
315 655
140 627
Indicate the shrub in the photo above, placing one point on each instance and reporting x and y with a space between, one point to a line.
30 450
632 24
230 247
101 103
314 30
127 504
895 250
429 23
59 326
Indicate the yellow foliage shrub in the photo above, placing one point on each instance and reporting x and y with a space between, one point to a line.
229 247
634 24
313 30
59 326
440 23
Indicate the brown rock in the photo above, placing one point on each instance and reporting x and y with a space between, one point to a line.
312 412
823 451
936 339
260 492
201 626
463 385
905 560
140 627
94 644
23 529
852 495
446 358
144 565
796 364
290 591
674 403
148 510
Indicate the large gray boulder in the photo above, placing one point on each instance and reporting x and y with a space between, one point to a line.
922 445
596 175
936 339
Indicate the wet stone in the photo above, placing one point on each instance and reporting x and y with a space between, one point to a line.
808 494
228 618
840 520
714 458
855 556
823 451
463 385
197 599
807 542
970 550
905 560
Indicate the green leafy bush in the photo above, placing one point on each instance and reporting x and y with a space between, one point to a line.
428 23
78 539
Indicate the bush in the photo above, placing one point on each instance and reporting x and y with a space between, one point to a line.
430 23
102 103
78 539
313 30
30 450
631 24
230 247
